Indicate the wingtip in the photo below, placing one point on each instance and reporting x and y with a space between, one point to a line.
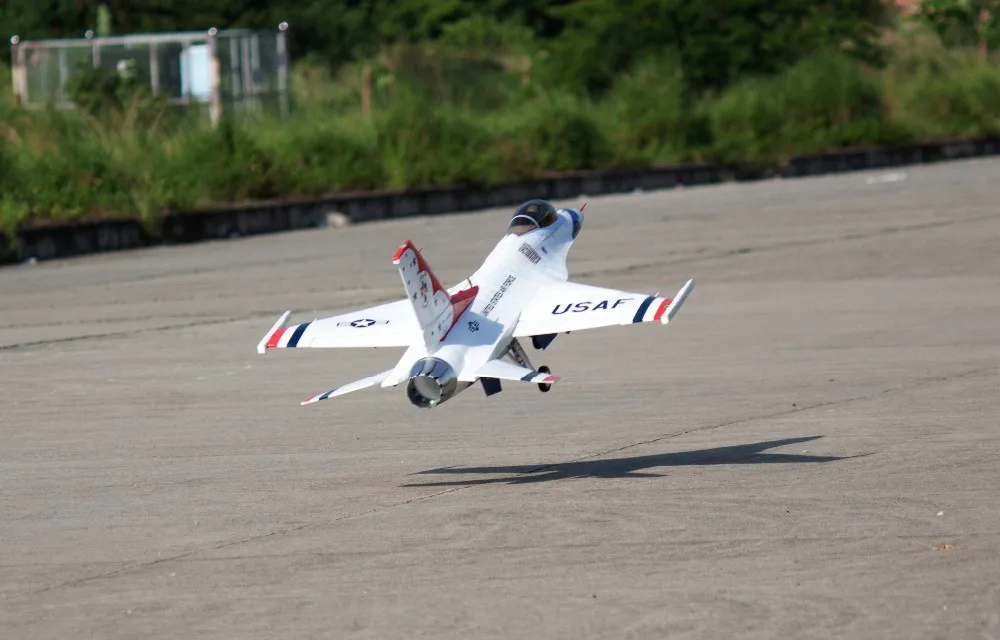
678 300
270 338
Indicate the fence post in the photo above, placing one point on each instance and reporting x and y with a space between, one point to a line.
95 49
17 70
154 68
282 50
246 76
215 104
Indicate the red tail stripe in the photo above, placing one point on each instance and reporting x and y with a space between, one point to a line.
399 252
465 295
421 263
459 303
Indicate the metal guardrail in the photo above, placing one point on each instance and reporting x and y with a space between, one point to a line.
236 69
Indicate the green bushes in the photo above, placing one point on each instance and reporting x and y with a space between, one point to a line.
557 132
648 116
823 102
134 160
940 93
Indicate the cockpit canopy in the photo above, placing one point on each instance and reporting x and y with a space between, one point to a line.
533 214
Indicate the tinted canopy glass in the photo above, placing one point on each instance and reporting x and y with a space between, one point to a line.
533 214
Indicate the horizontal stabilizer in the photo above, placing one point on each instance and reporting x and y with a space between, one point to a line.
507 371
364 383
390 324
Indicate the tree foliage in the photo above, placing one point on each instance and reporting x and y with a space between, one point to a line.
964 22
715 41
585 44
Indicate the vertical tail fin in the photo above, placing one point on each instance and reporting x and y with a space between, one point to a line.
436 310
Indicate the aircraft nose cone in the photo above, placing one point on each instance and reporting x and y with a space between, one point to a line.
577 217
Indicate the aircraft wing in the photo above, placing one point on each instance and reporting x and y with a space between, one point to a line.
568 306
388 325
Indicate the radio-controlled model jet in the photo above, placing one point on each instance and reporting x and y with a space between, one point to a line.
472 331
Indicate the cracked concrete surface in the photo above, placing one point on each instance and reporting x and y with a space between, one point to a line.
810 450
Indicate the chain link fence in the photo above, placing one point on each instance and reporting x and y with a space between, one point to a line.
233 70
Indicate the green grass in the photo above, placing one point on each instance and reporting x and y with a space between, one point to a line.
939 93
824 102
141 162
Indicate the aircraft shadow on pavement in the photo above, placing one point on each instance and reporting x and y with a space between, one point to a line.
630 467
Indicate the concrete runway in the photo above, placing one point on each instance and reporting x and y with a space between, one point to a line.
785 460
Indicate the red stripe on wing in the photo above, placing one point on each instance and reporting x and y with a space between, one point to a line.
272 342
663 307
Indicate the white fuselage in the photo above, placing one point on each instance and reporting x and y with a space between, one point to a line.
509 277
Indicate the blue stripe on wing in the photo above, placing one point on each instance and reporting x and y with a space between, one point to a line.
642 309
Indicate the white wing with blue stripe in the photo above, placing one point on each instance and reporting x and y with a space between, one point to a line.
387 325
569 306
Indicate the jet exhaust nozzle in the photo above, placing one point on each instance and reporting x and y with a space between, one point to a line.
431 382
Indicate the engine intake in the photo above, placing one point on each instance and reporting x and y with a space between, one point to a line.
431 382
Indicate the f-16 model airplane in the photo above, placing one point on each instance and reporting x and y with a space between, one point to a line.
471 332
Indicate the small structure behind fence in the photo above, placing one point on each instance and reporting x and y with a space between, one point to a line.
235 71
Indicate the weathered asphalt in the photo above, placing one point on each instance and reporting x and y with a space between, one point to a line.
785 460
